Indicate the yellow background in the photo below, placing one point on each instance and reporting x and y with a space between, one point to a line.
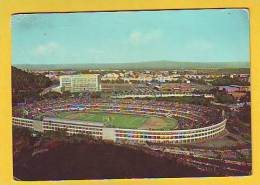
9 7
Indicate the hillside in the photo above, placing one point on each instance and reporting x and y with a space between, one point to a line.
98 161
27 85
138 65
81 157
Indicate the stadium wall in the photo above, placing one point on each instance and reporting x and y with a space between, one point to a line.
123 135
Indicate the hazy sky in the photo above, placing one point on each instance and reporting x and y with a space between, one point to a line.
110 37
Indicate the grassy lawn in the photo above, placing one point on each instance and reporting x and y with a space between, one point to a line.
114 120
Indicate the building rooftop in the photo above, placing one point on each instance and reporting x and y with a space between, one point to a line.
79 75
238 86
230 86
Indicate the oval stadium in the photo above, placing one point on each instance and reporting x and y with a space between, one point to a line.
124 120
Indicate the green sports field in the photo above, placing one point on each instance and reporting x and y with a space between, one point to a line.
122 120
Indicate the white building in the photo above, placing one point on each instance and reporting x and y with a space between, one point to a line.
80 83
110 77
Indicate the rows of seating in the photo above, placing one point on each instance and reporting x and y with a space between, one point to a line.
188 115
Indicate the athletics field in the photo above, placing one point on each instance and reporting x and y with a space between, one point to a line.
122 120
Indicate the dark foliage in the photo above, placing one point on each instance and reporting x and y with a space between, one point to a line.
225 98
27 86
229 81
245 114
99 161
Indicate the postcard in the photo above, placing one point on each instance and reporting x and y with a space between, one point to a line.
131 94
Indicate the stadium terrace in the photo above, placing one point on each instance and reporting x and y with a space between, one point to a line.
195 123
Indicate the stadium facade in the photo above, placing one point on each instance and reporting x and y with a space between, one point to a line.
80 83
100 131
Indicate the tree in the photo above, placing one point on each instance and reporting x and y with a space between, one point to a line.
27 86
245 113
52 95
229 81
223 98
95 94
66 94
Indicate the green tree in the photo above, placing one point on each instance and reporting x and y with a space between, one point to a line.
27 86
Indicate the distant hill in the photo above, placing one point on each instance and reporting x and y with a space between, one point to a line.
27 85
152 65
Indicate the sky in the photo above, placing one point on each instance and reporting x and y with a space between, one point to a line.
220 35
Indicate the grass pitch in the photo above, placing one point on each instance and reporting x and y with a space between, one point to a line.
122 120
